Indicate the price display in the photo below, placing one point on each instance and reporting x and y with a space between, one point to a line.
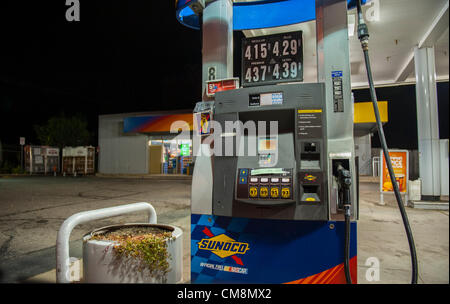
272 59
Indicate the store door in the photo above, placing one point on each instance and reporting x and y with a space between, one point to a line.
155 156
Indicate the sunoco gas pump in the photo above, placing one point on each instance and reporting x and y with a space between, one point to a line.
284 202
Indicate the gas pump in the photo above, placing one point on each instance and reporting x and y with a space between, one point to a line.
276 215
289 174
283 206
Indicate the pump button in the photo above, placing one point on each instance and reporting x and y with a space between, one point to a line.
275 180
263 192
253 192
253 179
285 180
285 192
274 192
264 180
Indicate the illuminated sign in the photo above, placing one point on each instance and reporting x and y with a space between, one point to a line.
267 144
258 14
154 123
185 151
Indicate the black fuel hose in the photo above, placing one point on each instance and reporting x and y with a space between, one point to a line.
345 182
363 36
347 215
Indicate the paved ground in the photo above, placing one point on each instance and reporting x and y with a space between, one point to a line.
381 235
33 208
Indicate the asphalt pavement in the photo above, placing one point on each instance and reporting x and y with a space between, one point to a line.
32 209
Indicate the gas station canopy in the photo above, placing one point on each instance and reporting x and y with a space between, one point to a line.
247 15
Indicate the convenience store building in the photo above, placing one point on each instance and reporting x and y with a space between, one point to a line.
141 143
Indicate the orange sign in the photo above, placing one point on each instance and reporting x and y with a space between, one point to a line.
399 159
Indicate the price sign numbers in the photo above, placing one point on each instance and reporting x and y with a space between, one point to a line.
272 59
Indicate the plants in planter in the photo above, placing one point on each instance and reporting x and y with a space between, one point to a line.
145 244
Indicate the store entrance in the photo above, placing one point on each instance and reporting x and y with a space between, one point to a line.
155 159
175 155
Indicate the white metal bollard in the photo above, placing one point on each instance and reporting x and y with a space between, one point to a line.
62 241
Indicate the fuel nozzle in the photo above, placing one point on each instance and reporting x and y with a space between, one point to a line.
344 179
363 31
344 176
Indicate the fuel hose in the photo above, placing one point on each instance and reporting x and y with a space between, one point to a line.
348 277
345 181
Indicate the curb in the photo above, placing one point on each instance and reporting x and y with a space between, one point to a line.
147 176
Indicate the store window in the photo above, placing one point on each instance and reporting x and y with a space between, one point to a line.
177 155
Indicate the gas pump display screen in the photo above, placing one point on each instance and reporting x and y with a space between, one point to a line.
272 59
267 144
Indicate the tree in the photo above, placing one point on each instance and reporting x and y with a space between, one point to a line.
64 131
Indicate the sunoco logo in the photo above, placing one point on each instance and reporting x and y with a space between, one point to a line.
223 246
310 177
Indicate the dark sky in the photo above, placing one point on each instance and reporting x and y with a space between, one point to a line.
124 56
401 129
106 63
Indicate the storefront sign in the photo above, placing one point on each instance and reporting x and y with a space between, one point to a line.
52 152
154 123
184 151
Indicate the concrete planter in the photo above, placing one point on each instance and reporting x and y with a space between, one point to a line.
101 265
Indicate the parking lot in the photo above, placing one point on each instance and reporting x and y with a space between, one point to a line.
33 208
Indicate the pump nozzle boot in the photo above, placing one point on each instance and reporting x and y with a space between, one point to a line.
344 179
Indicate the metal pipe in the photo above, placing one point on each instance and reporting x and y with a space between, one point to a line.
62 241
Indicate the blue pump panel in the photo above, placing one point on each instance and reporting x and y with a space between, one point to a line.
259 14
259 251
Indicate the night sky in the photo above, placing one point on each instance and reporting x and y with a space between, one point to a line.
125 56
401 129
122 56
